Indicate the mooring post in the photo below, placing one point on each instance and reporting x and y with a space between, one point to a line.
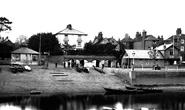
132 76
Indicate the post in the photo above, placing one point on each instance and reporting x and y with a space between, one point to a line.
173 47
40 51
132 76
133 61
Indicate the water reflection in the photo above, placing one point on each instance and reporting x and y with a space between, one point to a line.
160 101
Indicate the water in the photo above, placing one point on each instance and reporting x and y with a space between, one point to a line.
158 101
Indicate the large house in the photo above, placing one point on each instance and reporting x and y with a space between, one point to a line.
119 46
144 41
179 41
71 36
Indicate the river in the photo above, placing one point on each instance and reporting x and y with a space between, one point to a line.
158 101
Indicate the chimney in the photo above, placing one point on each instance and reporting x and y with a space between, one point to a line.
69 26
178 31
143 39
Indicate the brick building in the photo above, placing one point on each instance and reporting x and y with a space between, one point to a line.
179 41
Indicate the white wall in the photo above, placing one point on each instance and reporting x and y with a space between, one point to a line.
72 39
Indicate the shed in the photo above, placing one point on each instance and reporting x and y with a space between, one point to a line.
25 55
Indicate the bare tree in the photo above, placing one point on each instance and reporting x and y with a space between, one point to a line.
22 40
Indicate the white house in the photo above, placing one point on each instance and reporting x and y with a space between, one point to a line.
25 55
71 36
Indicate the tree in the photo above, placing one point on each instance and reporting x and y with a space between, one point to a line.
49 42
153 53
22 40
5 48
4 24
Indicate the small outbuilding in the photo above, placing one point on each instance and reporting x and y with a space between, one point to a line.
25 55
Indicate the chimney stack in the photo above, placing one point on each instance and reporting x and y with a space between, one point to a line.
143 39
178 31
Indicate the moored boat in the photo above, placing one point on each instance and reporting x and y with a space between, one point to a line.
120 91
146 89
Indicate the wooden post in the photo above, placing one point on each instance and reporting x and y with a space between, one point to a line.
132 76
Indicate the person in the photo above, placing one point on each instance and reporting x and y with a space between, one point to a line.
102 66
68 64
55 65
64 64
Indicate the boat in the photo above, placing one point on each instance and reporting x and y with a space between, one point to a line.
120 91
146 89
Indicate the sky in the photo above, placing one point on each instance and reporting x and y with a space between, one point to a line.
111 17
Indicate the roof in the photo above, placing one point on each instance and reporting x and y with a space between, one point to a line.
24 50
71 31
151 38
109 40
127 39
140 54
147 38
175 36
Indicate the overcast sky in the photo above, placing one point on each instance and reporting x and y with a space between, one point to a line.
112 17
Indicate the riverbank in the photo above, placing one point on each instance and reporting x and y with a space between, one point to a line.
55 81
64 81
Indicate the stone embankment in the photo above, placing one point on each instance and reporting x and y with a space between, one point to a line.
168 80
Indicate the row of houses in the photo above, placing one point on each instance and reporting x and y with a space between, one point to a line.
171 50
138 51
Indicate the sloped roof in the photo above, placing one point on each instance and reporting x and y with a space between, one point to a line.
25 50
71 31
140 54
151 38
137 39
127 39
147 38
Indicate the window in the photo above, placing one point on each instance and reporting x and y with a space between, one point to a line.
182 41
15 57
182 48
79 44
171 52
34 57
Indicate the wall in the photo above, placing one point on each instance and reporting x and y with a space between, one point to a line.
138 45
55 59
72 39
159 77
145 63
167 53
148 44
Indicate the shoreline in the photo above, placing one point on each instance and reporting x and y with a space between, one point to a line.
72 82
